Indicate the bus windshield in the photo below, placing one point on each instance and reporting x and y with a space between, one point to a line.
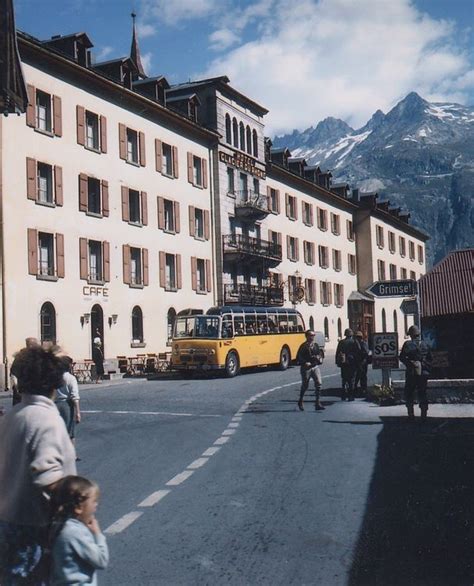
197 326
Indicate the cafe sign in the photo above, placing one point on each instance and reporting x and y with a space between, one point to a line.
90 291
242 161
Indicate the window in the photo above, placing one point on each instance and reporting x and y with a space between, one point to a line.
339 328
350 230
242 136
322 219
403 273
291 209
326 328
293 283
273 200
255 143
420 254
381 270
200 275
132 146
311 292
93 196
48 323
170 317
256 186
235 133
311 322
94 257
393 272
45 183
337 260
228 129
308 249
411 250
307 214
379 236
335 224
244 181
171 283
351 262
338 295
249 140
134 206
95 261
46 254
92 131
391 242
384 320
166 159
43 112
197 171
169 215
402 244
137 325
412 275
323 253
230 180
198 223
293 253
325 293
136 266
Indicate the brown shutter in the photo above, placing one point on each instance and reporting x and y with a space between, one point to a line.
158 155
161 213
302 212
190 168
297 247
60 268
162 269
146 278
296 209
103 134
123 141
177 222
288 247
208 276
192 221
179 278
280 238
207 225
270 232
125 205
57 116
106 257
105 197
32 251
83 269
175 162
204 173
141 147
58 185
278 201
306 288
80 125
31 108
321 296
144 206
31 179
83 193
194 273
126 264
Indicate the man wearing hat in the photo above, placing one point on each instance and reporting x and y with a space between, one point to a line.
347 358
98 358
361 374
309 357
417 358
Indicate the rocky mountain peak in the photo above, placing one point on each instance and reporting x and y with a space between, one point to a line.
331 128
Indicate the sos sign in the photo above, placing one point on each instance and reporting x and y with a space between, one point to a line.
385 352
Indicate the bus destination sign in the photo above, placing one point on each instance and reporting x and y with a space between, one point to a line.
406 288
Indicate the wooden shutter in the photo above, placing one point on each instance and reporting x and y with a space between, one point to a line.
103 134
330 293
311 214
194 273
306 288
57 116
204 173
175 162
190 168
58 185
321 296
208 276
288 247
296 208
31 108
162 264
177 222
31 179
60 268
106 257
146 279
287 204
83 268
80 125
278 200
144 207
126 264
105 197
207 225
192 221
280 239
297 248
141 148
123 141
270 232
125 205
179 278
341 288
32 251
83 193
158 155
161 212
302 212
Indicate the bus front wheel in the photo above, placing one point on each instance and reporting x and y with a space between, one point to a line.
232 364
284 358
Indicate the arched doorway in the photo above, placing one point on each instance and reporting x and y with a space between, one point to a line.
97 325
48 323
311 323
170 324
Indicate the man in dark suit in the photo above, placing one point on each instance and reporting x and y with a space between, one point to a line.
309 357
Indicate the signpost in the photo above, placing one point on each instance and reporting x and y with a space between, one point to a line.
385 352
405 288
409 306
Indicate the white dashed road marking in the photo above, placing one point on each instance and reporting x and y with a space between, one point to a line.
152 413
180 478
154 498
123 523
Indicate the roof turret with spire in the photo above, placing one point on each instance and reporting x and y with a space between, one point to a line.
135 51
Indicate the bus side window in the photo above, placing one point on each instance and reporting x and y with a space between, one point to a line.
262 324
292 323
272 324
300 323
250 326
239 325
283 323
227 329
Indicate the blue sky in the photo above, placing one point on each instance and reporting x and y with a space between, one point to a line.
302 59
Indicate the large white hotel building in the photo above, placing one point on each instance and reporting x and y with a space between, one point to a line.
124 201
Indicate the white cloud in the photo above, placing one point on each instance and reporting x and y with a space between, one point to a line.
146 60
103 53
179 10
222 39
313 59
145 30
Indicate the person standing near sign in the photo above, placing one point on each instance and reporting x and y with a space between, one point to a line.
417 358
348 358
98 358
309 357
361 374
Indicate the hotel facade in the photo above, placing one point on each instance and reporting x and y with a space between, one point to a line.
125 201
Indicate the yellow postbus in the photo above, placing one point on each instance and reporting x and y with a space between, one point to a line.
229 338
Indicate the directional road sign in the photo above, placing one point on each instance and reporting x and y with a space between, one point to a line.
409 307
405 288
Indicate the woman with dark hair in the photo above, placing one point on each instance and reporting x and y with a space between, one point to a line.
67 399
35 454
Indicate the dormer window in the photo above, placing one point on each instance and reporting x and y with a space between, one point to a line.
192 110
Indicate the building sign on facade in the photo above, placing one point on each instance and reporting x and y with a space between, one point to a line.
243 162
94 291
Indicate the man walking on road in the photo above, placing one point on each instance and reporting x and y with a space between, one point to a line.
309 357
348 358
361 374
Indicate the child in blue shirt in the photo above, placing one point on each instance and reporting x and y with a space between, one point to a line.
79 548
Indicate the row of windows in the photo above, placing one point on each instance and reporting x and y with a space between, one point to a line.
46 260
393 272
395 322
240 136
392 244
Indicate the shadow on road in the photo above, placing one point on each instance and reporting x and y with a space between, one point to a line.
417 528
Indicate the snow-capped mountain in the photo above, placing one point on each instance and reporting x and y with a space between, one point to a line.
420 155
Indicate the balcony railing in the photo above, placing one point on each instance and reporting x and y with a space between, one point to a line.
249 203
240 245
244 294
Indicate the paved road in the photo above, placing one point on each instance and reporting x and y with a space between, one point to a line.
226 482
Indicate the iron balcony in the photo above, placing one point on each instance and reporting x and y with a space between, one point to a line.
251 205
238 247
243 294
